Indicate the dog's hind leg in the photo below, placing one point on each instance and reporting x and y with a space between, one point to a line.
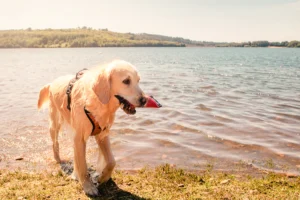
55 125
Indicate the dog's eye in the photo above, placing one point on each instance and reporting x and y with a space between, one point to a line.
126 81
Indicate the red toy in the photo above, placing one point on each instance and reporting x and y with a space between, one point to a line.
152 103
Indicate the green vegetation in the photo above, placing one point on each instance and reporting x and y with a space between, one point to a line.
88 37
81 37
292 44
164 182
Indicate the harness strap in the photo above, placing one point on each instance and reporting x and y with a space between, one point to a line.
70 86
96 129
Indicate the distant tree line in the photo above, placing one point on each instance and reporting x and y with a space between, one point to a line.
80 37
88 37
292 44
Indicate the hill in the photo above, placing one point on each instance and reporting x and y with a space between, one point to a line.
81 37
88 37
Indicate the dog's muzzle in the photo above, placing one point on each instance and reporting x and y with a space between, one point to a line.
126 105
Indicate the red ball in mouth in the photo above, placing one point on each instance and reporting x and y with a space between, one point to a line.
152 103
128 108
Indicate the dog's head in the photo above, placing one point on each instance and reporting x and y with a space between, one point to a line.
120 80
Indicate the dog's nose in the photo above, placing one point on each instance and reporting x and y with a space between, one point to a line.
142 101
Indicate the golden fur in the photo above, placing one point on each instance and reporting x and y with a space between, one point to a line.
95 91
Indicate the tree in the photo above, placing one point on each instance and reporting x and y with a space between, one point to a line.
294 43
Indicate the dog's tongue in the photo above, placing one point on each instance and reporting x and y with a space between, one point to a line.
152 103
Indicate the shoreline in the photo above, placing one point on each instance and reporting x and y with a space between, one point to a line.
256 169
274 47
186 46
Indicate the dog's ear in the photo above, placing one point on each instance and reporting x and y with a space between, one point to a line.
102 86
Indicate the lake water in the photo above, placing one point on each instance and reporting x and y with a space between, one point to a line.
221 106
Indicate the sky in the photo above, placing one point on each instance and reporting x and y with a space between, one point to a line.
202 20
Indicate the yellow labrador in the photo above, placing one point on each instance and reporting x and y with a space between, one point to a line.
91 104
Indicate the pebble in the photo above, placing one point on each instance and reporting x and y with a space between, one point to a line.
290 175
180 185
164 156
54 173
173 165
252 191
225 181
19 158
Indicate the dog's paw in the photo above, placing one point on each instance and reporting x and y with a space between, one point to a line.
73 176
57 159
103 179
90 189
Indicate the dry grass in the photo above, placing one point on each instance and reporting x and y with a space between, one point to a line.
164 182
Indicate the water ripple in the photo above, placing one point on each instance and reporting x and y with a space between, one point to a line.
225 104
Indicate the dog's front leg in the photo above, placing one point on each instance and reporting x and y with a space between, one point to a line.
110 163
80 166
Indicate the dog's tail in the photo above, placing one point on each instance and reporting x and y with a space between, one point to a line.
44 96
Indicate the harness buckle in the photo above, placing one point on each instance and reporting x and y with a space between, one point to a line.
69 89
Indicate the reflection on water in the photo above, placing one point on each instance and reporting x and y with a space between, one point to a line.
223 106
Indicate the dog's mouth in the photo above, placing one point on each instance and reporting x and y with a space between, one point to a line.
126 105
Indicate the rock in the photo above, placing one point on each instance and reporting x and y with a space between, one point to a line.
19 158
172 165
225 181
54 173
180 185
290 175
20 198
252 191
201 181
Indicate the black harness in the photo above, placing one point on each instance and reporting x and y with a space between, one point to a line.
96 129
70 86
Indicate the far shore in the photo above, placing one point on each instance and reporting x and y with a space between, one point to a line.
274 47
88 37
187 46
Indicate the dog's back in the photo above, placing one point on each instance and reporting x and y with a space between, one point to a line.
55 92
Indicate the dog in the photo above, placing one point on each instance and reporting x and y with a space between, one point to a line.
88 103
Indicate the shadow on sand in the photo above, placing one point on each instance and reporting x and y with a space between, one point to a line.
108 190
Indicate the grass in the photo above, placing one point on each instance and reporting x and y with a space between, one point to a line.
164 182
